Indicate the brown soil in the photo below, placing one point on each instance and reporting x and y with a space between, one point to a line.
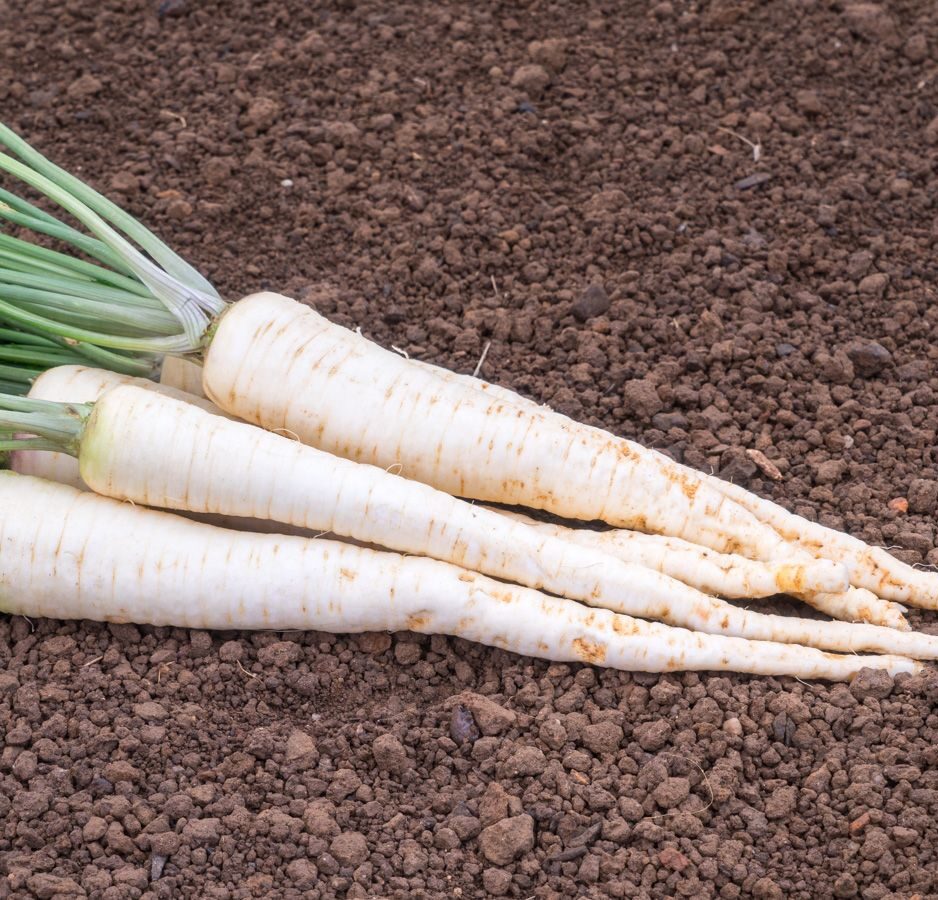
571 183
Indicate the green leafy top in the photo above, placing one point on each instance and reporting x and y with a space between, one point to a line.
124 302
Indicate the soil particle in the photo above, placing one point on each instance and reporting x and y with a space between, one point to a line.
602 737
672 858
641 398
845 886
493 805
491 717
406 653
671 792
652 736
809 102
390 754
550 53
594 301
532 79
462 726
868 357
871 21
782 803
465 827
923 496
349 848
506 840
871 683
202 831
874 285
744 184
496 882
526 761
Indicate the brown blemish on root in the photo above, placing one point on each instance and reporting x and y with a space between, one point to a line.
639 523
349 574
621 625
589 652
790 579
418 621
688 485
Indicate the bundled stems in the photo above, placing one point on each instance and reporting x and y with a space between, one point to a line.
125 301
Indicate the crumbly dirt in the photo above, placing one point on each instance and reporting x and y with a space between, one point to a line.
573 186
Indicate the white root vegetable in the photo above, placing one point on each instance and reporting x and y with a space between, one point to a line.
726 575
51 464
877 573
870 567
84 556
71 384
857 605
565 576
277 363
156 451
713 573
182 374
488 388
82 384
720 574
141 446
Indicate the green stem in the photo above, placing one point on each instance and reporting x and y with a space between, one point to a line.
29 444
18 373
35 356
85 311
81 354
59 423
31 257
85 289
19 388
143 365
171 262
137 297
11 335
188 304
19 212
158 346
